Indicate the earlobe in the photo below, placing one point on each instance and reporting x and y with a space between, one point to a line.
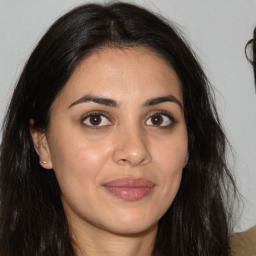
41 146
186 160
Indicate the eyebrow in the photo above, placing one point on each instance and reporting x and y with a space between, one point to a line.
159 100
99 100
112 103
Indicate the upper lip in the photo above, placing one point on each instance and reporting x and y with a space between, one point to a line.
129 182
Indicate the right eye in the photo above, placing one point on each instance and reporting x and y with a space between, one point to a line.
95 120
161 119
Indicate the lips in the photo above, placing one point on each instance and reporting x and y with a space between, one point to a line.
130 189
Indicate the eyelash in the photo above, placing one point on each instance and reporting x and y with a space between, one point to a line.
94 114
172 120
164 114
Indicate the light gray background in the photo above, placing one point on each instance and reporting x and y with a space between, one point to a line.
217 30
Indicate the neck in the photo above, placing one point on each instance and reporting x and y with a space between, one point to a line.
94 241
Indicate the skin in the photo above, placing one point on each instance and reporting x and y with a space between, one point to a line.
127 142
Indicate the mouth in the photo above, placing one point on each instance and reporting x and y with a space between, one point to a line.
130 189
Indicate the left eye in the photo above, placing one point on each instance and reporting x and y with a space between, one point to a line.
96 120
159 119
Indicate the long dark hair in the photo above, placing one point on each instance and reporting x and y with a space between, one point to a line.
33 221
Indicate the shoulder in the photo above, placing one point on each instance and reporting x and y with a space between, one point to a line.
243 243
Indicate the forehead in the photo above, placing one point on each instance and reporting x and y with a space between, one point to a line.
119 73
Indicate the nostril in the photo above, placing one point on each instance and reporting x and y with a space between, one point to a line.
122 161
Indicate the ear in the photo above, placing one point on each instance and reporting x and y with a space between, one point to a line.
186 160
41 146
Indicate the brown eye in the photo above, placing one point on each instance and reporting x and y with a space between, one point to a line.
96 120
160 119
157 120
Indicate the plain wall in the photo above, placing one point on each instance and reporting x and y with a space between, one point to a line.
217 30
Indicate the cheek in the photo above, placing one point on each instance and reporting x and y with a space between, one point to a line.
78 168
170 161
72 147
77 161
171 158
172 153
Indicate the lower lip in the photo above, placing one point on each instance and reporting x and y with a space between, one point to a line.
129 193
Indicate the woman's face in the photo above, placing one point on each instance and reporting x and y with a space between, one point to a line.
117 140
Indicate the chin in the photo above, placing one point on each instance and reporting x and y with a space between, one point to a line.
132 225
133 231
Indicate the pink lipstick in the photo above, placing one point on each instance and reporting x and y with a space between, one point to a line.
130 189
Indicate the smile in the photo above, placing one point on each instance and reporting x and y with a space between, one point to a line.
130 189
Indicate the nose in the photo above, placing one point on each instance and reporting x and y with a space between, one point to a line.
131 148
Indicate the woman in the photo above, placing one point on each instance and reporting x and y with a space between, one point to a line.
252 44
112 144
244 243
